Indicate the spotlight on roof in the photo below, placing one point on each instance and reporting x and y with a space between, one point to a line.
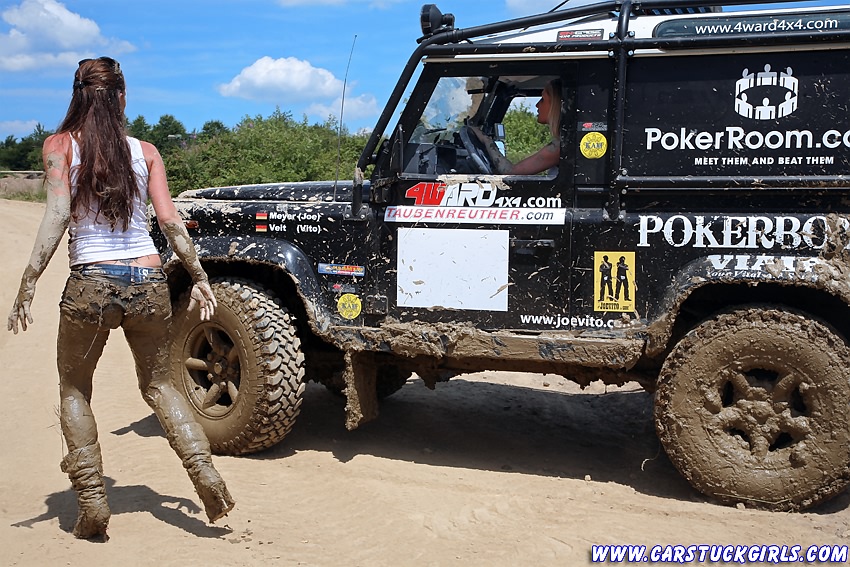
434 21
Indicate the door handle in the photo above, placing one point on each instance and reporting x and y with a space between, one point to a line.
532 244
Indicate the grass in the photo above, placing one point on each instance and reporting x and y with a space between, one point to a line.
22 189
37 197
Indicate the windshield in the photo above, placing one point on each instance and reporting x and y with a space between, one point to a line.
455 99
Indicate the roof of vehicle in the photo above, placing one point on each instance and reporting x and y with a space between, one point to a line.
648 25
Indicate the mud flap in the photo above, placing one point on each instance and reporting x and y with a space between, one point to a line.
360 377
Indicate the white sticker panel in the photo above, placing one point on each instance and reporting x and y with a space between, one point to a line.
453 269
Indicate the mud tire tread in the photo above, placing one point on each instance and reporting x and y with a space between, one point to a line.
277 378
675 415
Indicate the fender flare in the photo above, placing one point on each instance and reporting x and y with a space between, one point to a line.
279 254
816 274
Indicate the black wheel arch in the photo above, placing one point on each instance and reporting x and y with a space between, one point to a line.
699 303
278 265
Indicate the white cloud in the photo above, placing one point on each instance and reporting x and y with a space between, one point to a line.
17 128
49 21
44 33
282 80
363 106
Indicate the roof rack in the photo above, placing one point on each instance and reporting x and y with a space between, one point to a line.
677 11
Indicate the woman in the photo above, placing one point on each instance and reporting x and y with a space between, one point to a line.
98 181
546 158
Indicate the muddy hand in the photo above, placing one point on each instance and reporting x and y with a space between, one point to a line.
482 137
20 313
202 296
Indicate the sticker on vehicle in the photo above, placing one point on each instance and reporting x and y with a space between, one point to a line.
342 270
349 306
453 269
580 35
614 285
474 203
593 145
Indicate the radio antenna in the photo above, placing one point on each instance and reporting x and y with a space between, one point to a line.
558 7
341 111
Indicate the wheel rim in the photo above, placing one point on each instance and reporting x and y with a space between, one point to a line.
760 412
212 370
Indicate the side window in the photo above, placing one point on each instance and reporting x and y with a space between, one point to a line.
523 134
494 125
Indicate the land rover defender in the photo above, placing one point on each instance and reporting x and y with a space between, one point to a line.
693 237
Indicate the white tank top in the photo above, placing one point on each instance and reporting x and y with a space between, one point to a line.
92 241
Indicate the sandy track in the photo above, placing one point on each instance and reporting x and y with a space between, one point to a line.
489 469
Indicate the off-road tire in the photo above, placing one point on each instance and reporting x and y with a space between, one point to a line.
752 407
251 344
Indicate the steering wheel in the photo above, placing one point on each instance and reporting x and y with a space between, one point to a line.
476 150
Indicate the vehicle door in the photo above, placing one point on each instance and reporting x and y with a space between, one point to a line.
466 244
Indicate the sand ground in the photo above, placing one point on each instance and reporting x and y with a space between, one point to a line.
489 469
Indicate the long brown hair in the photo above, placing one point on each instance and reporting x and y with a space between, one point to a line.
105 180
554 88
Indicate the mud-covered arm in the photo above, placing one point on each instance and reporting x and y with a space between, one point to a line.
542 160
175 232
501 164
57 215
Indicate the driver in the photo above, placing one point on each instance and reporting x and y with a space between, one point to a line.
546 158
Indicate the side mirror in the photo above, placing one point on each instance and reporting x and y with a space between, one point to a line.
499 132
499 137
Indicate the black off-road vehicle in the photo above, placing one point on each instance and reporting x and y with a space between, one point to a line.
693 237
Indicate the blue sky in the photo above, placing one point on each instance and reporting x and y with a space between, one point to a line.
219 59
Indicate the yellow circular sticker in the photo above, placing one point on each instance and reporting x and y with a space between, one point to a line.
349 306
593 145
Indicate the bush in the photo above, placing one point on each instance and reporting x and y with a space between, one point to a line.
264 150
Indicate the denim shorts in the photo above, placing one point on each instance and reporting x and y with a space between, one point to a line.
120 274
105 296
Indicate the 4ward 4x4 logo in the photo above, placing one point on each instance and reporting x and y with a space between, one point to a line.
474 203
439 194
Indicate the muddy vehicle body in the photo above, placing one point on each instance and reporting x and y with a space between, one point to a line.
693 237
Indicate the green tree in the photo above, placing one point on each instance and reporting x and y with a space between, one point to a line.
168 134
265 150
23 155
213 128
139 128
523 134
8 150
34 143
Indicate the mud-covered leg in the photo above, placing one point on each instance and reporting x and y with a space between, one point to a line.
79 347
85 469
150 347
184 434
